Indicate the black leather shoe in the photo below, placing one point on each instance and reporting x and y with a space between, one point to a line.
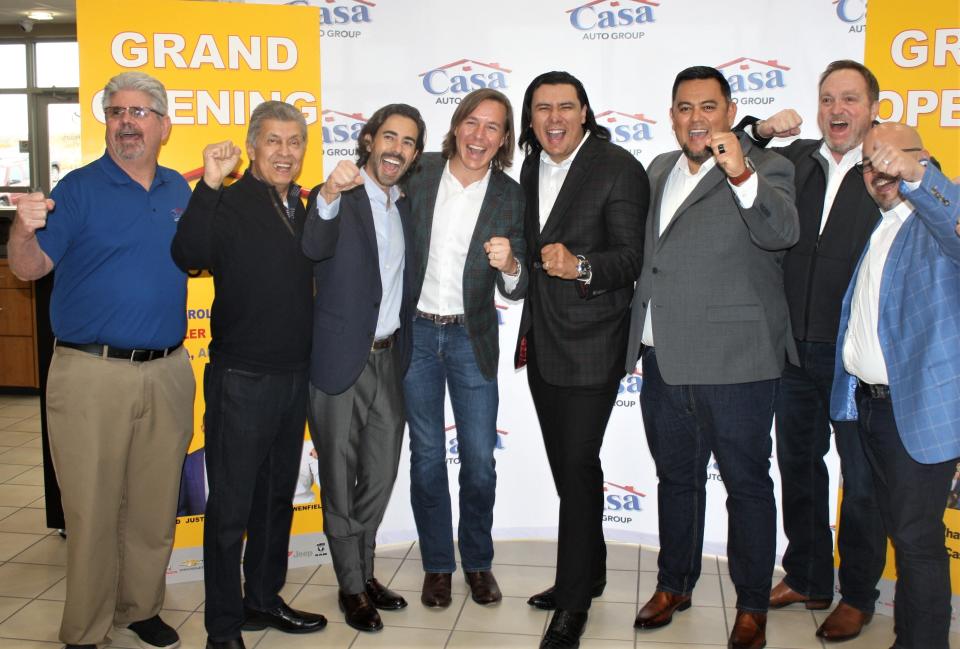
234 643
359 612
546 602
565 630
382 597
283 618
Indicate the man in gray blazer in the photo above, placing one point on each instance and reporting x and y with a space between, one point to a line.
710 316
467 241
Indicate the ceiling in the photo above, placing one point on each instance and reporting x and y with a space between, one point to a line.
12 12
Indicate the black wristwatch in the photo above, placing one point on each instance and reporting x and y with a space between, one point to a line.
584 270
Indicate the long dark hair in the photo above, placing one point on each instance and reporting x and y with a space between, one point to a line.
376 121
528 140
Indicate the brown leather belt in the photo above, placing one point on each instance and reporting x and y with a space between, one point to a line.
132 355
441 319
383 343
875 390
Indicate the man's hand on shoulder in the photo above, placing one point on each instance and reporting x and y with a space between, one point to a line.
345 176
219 160
785 123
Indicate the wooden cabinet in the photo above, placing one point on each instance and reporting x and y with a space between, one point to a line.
18 331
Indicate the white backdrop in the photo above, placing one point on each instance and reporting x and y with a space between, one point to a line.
429 53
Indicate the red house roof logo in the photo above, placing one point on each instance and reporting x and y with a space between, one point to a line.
617 117
745 64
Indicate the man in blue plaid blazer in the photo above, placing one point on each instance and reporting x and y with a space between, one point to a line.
898 371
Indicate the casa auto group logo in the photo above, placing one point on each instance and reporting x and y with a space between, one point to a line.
453 444
612 19
628 394
621 502
341 132
342 18
754 81
852 12
449 82
629 130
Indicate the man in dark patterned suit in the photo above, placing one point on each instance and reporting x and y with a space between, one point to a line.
467 239
586 201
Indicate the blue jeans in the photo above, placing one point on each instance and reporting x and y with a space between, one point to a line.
684 424
443 356
803 438
912 497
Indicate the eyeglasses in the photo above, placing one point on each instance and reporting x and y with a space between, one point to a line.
866 167
136 112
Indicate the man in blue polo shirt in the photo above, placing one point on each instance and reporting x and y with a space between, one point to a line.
120 389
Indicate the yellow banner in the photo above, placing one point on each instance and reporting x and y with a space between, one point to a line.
218 61
916 57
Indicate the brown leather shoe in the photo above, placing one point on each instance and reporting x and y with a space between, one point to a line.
843 623
359 611
382 597
436 590
483 587
782 595
659 610
749 631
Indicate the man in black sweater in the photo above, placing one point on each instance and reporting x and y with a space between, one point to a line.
836 219
255 385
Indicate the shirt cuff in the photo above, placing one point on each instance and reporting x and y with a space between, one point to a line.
910 186
510 281
327 212
746 192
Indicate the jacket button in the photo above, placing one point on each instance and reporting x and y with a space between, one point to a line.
655 270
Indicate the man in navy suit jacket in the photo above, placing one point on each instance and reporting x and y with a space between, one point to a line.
898 373
358 232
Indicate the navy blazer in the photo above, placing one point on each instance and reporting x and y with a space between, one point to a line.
347 289
919 326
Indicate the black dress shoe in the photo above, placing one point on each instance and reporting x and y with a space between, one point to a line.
565 630
234 643
546 602
382 597
483 587
283 618
359 611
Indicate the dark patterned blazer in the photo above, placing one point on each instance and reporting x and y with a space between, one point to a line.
501 214
581 335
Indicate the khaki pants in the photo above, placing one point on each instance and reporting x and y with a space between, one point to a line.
118 435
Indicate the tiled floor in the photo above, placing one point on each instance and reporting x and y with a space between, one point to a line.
32 587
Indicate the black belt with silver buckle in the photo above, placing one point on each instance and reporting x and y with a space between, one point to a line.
132 355
441 319
875 390
383 343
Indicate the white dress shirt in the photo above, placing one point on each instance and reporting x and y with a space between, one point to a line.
836 172
862 354
680 183
552 175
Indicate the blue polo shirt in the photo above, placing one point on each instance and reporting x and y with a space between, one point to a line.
109 239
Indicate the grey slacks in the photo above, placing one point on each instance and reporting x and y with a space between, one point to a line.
358 434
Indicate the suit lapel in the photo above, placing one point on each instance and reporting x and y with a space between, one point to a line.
658 186
361 205
423 229
492 199
529 181
576 176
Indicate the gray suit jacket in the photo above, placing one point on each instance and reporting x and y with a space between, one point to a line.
714 278
501 214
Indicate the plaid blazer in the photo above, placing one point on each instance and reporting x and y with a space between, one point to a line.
581 335
919 326
501 214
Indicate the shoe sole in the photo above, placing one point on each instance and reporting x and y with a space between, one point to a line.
809 604
656 625
260 627
123 631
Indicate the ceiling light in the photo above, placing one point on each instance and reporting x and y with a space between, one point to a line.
40 15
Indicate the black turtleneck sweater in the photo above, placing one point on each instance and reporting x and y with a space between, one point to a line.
261 318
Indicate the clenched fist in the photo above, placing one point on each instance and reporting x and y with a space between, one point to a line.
345 176
218 161
32 213
500 255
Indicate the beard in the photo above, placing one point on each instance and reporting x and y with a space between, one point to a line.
697 157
